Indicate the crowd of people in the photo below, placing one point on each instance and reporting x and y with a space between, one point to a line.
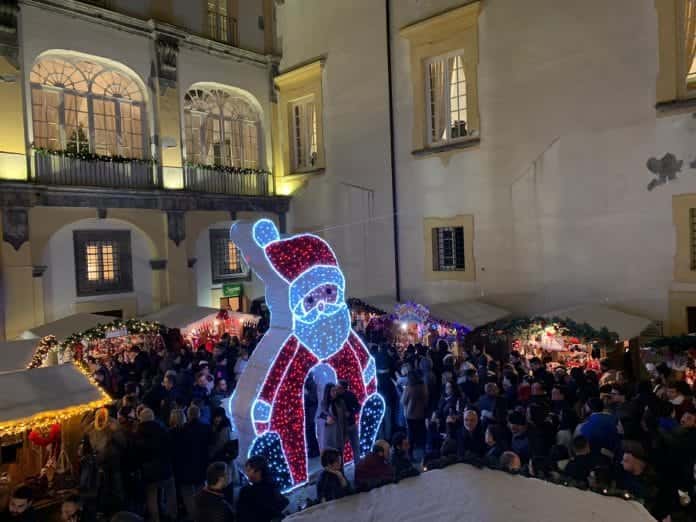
167 451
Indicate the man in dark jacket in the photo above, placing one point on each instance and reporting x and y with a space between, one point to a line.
584 462
399 457
21 508
194 462
471 443
352 410
211 505
154 454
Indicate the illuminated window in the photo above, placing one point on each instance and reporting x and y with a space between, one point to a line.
304 134
447 99
692 237
690 42
220 129
448 249
102 262
225 259
82 107
221 26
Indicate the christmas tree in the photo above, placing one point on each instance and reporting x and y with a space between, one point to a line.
78 143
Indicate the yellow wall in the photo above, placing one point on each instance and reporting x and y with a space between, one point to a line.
293 85
681 206
450 31
469 274
169 121
12 146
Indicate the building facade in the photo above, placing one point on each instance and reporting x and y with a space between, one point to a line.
134 133
522 138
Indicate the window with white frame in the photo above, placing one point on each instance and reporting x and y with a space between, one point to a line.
690 42
448 249
303 117
221 129
225 258
221 26
83 106
446 103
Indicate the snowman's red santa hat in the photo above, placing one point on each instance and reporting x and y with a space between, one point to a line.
303 261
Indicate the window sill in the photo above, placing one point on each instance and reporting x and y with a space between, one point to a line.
464 144
676 106
318 170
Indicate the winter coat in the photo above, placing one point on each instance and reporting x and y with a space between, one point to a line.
402 465
211 506
154 452
329 487
415 401
372 471
194 460
261 502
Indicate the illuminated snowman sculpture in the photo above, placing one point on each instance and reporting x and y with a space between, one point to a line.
309 326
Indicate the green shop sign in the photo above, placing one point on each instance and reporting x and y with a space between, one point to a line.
232 290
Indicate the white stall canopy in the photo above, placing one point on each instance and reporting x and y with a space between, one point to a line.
16 355
463 493
626 325
182 315
27 393
469 313
65 327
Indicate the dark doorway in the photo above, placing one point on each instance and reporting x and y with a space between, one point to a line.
691 318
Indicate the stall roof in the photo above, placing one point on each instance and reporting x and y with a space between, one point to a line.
626 325
16 355
65 327
180 315
471 313
30 393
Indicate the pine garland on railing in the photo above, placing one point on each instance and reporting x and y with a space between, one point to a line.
88 156
227 169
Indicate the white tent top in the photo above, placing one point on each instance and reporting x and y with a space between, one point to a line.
184 316
31 392
16 355
471 314
626 325
464 493
65 327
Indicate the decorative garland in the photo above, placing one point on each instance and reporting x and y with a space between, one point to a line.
46 345
534 327
227 169
88 156
354 303
134 326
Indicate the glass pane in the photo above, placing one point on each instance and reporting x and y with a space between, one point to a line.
458 113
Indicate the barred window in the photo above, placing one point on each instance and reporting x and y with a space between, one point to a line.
103 263
225 258
221 26
448 249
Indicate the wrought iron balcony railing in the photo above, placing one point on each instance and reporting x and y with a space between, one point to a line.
222 180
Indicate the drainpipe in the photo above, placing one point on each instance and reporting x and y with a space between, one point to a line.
392 157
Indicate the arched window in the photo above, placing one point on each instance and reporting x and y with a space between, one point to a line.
84 106
221 129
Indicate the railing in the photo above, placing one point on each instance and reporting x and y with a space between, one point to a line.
63 170
219 181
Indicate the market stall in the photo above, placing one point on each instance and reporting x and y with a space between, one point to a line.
41 413
65 327
462 492
678 353
16 355
104 340
201 325
567 342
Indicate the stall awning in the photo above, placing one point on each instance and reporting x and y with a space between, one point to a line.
462 492
29 396
181 315
387 304
470 313
16 355
65 327
626 325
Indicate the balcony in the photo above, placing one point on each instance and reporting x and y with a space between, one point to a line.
63 170
219 180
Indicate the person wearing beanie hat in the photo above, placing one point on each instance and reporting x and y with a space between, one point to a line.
309 326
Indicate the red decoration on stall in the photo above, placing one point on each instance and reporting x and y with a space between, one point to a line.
37 438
